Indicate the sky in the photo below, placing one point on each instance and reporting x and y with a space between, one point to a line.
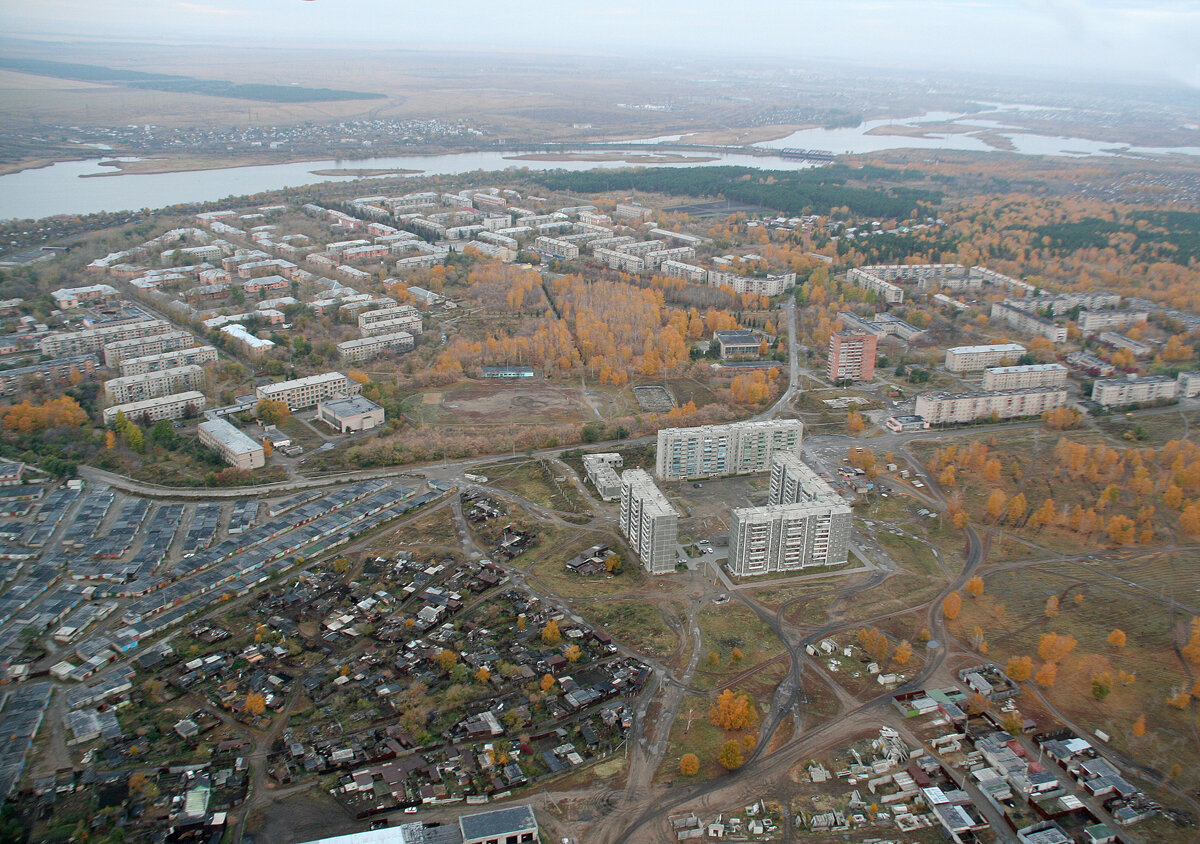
1140 40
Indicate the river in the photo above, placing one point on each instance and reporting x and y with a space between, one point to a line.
58 189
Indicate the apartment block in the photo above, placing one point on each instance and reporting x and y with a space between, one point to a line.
769 285
61 370
1189 385
648 521
957 408
852 356
711 451
863 277
137 347
601 470
805 523
365 348
556 248
195 356
622 261
175 406
91 340
635 213
1091 364
1114 392
1090 322
688 272
1120 341
235 448
655 260
73 297
390 320
1022 377
1028 323
153 385
970 358
307 392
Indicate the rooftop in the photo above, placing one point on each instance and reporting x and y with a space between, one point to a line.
351 406
229 436
999 347
497 822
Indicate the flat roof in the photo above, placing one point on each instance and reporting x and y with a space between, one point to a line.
998 347
302 382
229 436
737 338
1033 367
497 822
349 406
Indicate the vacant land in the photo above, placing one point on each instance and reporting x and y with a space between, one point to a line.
739 640
637 624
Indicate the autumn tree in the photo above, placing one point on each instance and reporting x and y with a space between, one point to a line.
1102 684
1047 674
1051 610
995 503
572 653
854 423
903 652
446 659
256 704
1019 668
483 675
1139 726
733 711
1054 647
547 682
951 606
1016 508
550 633
977 704
689 765
1117 638
731 757
736 654
272 412
975 586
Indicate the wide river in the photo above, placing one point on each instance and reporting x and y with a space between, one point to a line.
58 189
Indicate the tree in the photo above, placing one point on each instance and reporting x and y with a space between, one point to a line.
903 652
1052 606
977 704
550 633
256 704
689 765
951 605
272 412
1117 638
483 675
854 423
547 682
736 654
731 757
1053 647
1102 684
446 659
1121 530
110 440
572 653
521 621
733 711
1019 668
1139 726
975 586
995 503
714 659
1016 508
134 438
1012 723
991 472
1047 674
1179 700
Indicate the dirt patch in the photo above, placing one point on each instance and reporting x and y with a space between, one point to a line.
504 404
303 817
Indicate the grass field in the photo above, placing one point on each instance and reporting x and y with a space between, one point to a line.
550 570
536 481
724 628
636 624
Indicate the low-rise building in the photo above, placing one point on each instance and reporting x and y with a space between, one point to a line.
1021 377
195 356
1189 385
351 414
770 285
554 248
365 348
969 358
1028 323
152 385
1091 364
176 406
510 825
957 408
1115 392
92 340
737 343
1120 341
73 297
63 371
601 470
1090 322
300 393
235 448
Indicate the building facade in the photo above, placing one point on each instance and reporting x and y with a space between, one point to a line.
137 347
602 472
852 355
351 414
711 451
1022 377
307 392
958 408
648 521
969 358
91 340
195 356
1028 323
177 406
235 448
365 348
1114 392
153 385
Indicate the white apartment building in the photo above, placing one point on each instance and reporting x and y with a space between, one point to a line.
365 348
654 260
136 347
390 320
1189 385
153 385
1028 323
622 261
805 523
556 248
1090 322
175 406
602 472
1022 377
1120 341
195 356
235 448
711 451
648 521
688 272
91 340
772 284
867 280
969 358
1114 392
307 392
957 408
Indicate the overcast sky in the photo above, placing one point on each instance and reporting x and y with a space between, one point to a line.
1144 39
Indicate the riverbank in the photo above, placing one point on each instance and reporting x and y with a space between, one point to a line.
364 172
600 157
